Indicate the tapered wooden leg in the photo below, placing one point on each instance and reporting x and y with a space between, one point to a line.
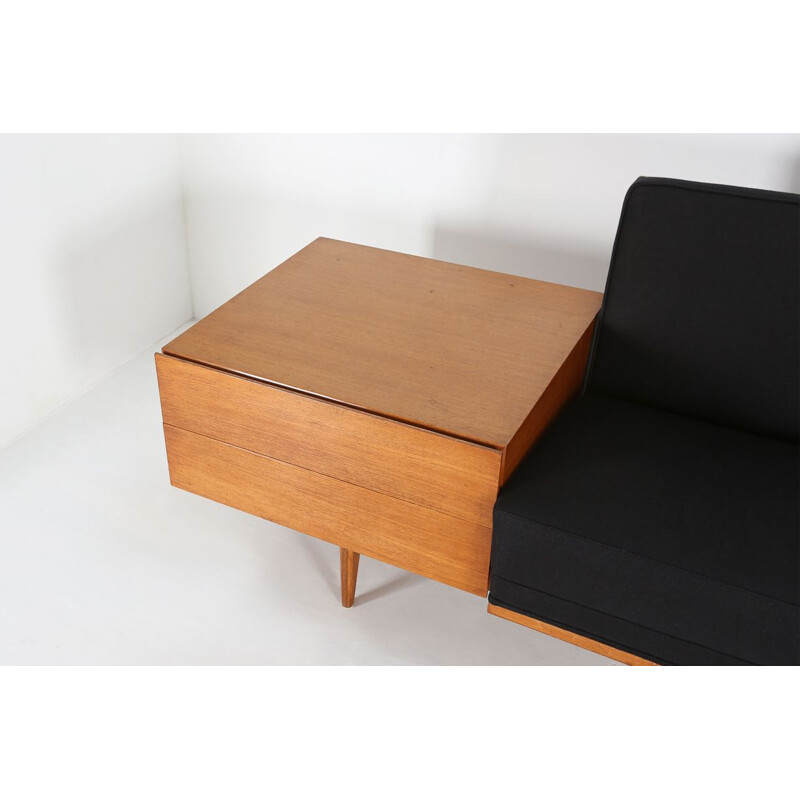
349 564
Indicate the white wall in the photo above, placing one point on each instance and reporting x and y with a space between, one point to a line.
545 206
93 247
93 263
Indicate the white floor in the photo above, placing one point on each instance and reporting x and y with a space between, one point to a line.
103 562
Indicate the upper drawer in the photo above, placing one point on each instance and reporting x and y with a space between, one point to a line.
413 464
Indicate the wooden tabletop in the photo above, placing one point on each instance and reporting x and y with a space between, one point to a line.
464 351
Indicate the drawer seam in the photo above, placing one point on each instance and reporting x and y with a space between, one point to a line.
326 475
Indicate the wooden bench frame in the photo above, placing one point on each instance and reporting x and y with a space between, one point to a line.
572 638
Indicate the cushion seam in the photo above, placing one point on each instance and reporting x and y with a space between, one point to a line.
700 420
648 558
577 630
621 619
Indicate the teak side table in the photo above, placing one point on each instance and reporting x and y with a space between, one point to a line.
374 400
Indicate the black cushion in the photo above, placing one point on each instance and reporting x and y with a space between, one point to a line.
660 513
701 309
656 533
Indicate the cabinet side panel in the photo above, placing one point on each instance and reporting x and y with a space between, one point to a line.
562 388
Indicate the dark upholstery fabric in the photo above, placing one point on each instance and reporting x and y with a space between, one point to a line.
660 513
657 533
701 309
606 628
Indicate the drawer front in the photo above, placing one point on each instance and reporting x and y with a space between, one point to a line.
422 540
408 463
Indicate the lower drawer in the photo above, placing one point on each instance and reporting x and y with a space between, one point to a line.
422 540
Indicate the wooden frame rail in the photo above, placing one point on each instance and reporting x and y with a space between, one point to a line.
572 638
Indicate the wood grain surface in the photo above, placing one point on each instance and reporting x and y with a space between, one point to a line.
348 567
572 638
422 540
422 467
445 347
565 385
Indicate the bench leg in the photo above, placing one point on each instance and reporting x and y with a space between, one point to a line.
349 566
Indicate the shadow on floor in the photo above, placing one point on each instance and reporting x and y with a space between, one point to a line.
327 569
398 584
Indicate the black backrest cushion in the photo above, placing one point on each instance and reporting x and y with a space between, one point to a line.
702 308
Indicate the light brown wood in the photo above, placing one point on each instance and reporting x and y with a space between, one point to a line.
348 561
444 347
422 467
563 387
422 540
373 399
572 638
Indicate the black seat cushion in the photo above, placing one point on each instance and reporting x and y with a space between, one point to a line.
656 533
702 308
